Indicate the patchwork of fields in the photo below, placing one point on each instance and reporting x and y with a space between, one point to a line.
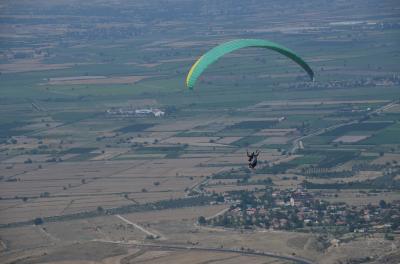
81 185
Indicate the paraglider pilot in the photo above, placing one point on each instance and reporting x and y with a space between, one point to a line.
253 159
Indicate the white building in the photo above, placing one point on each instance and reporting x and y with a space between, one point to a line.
135 112
156 112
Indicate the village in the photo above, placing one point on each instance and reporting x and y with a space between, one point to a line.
299 210
132 112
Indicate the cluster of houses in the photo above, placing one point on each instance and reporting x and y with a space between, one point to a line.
126 112
293 209
388 80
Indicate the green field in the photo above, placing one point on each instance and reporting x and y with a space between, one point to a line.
358 128
389 136
247 141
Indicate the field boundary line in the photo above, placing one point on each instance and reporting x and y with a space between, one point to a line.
140 227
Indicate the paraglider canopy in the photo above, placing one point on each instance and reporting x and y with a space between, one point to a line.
217 52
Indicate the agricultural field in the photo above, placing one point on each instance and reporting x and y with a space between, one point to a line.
106 156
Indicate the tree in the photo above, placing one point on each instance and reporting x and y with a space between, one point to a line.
38 221
202 220
389 236
45 194
220 199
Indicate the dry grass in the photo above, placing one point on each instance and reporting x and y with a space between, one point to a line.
355 198
388 157
351 139
374 246
194 141
275 132
182 257
95 80
361 176
32 65
182 214
276 140
318 102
